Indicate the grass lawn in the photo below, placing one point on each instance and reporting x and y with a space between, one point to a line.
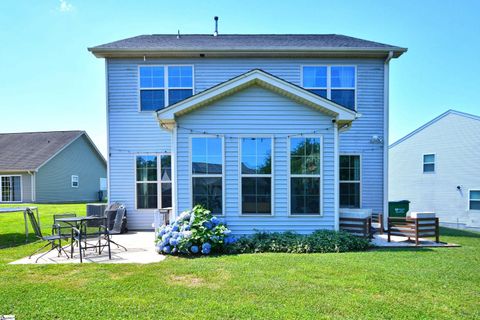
441 283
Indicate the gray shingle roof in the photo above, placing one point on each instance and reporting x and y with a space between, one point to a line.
244 42
28 151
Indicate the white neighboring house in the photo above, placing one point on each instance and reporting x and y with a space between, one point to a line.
437 168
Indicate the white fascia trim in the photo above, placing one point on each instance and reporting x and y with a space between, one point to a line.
251 77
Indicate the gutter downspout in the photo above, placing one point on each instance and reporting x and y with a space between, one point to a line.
32 185
108 132
336 174
386 117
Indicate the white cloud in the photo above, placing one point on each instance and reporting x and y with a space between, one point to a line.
65 6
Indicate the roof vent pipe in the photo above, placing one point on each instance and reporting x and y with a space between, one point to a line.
216 26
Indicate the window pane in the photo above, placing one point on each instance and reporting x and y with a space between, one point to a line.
166 195
16 189
208 192
147 196
180 76
349 168
166 166
207 155
151 77
342 77
176 95
474 205
344 98
151 100
350 195
146 168
475 195
256 155
320 92
429 167
305 156
314 77
428 158
256 195
305 196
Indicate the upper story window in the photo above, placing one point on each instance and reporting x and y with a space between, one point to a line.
161 86
428 163
337 83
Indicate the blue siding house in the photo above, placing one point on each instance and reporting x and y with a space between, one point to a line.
273 132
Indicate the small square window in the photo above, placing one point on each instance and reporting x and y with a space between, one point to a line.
74 181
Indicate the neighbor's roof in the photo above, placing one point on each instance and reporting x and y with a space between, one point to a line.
244 44
27 151
443 115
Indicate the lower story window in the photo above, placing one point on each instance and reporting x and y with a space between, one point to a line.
305 195
350 181
474 200
153 181
10 187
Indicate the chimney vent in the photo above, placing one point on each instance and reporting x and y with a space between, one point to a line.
216 26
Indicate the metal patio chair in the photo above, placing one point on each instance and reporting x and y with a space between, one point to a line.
84 233
114 224
51 240
63 229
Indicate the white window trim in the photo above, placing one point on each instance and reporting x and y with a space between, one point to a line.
191 175
71 181
329 80
434 163
241 175
21 187
165 87
158 181
289 176
469 199
351 181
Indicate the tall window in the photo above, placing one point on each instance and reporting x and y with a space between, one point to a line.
207 173
428 163
161 86
256 168
337 83
305 174
474 200
11 188
154 181
350 181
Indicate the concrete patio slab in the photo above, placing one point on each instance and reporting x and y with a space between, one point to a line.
140 249
381 240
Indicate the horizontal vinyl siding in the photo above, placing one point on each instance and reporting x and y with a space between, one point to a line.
136 132
257 111
53 180
455 141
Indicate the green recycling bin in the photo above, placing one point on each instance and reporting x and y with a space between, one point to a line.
398 208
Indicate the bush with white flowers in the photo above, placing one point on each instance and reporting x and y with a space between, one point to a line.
195 231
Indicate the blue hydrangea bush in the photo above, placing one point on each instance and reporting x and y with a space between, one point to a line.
195 232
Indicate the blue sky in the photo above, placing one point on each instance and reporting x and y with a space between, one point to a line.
48 80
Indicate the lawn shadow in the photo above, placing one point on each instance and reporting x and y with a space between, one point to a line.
10 240
400 249
451 232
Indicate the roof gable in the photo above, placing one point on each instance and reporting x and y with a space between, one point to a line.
428 124
29 151
262 79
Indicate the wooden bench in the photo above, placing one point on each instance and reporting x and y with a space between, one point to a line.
378 218
414 227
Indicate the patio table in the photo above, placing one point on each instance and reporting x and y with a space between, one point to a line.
80 223
24 210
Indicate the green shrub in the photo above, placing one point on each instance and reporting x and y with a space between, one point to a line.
321 241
